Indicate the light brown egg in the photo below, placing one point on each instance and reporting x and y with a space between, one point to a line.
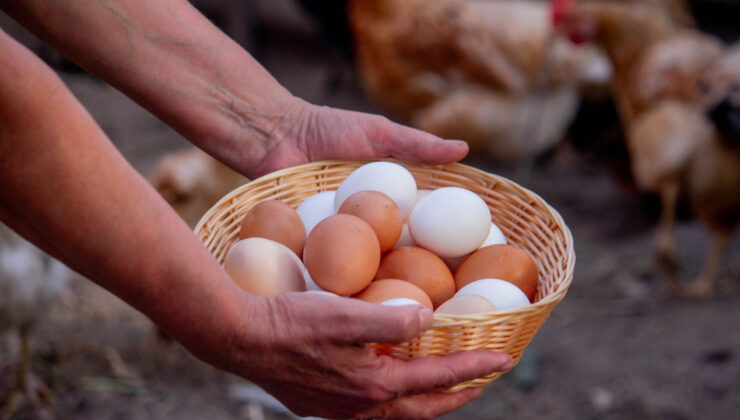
466 305
382 290
264 267
342 254
420 267
505 262
277 221
380 212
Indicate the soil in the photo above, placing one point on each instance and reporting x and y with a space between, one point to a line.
617 347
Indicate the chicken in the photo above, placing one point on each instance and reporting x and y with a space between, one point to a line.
674 147
191 181
30 281
488 72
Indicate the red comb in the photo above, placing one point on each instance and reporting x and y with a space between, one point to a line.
559 8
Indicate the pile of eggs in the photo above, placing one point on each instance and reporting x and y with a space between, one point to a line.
379 239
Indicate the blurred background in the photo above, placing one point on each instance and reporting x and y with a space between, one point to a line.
625 117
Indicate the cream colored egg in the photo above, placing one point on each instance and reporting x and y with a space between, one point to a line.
264 267
502 294
466 305
390 178
316 208
450 222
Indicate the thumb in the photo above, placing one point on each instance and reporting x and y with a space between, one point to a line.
414 145
361 322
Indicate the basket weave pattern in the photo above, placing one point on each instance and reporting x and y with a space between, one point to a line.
524 218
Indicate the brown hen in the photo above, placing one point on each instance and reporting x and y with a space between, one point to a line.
675 148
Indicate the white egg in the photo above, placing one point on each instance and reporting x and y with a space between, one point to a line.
495 237
419 195
321 292
450 222
316 208
264 267
405 239
310 284
391 179
400 302
502 294
453 263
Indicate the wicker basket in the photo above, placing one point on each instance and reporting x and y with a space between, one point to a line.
525 219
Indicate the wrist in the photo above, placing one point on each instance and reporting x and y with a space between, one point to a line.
248 125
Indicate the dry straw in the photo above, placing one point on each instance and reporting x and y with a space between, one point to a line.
526 220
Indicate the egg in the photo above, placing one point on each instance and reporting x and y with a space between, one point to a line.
454 263
391 179
405 239
316 208
505 262
419 195
466 305
400 302
277 221
310 284
378 211
495 237
321 292
450 222
264 267
420 267
383 290
502 294
342 254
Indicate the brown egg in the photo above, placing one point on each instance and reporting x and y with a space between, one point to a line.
380 212
505 262
420 267
381 290
342 254
466 305
264 267
277 221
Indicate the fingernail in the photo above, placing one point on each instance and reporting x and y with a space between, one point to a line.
426 317
508 365
458 142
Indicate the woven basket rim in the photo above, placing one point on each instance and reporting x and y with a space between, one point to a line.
439 320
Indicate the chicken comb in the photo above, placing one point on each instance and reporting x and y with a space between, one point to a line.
559 8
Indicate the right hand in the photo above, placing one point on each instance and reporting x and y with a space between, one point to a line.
308 351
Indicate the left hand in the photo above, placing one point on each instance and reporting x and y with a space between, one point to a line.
308 133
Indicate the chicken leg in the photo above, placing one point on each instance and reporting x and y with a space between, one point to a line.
19 388
665 247
704 285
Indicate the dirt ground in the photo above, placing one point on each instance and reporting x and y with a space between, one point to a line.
615 348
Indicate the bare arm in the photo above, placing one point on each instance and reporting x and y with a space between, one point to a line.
170 59
66 188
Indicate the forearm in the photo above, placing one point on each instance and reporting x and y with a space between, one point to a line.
174 62
66 188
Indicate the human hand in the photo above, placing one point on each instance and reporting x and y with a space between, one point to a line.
308 133
308 351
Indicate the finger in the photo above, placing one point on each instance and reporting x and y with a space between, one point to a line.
360 322
424 406
435 373
418 146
